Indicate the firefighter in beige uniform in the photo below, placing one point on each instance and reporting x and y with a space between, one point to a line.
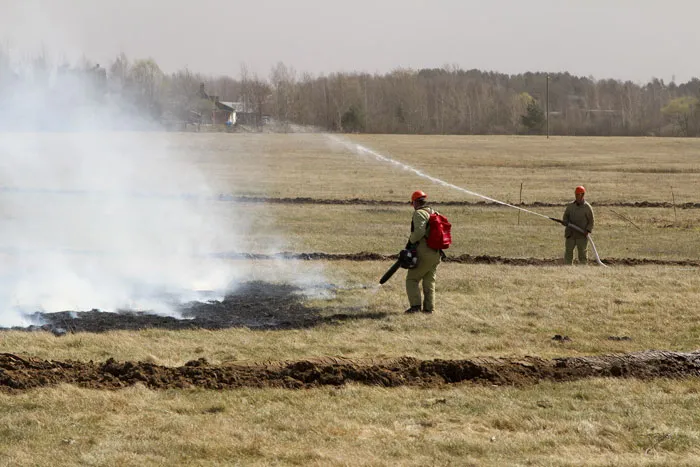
428 258
580 214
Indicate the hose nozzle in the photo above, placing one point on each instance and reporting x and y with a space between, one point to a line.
558 220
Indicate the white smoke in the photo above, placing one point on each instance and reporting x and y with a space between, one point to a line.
106 220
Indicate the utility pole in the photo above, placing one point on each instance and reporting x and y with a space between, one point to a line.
366 108
547 105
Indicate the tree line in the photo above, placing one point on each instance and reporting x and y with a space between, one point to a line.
447 100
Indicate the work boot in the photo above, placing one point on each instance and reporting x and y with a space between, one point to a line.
413 309
427 311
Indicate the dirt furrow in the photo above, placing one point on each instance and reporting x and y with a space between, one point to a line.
377 202
23 373
461 259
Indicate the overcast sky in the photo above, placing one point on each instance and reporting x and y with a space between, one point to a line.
622 39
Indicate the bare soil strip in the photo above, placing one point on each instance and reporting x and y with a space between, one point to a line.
461 259
24 373
374 202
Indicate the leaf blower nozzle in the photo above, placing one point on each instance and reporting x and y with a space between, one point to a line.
408 259
387 275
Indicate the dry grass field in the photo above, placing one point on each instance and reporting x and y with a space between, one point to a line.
294 165
311 194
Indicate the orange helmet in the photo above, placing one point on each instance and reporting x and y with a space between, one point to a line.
580 190
417 195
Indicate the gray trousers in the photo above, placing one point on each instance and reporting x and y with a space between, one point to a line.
581 244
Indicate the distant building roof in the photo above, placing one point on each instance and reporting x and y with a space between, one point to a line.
232 106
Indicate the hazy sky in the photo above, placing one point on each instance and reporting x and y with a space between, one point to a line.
623 39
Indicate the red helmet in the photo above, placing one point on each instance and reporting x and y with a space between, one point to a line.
417 195
580 190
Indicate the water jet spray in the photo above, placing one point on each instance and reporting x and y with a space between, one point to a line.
362 149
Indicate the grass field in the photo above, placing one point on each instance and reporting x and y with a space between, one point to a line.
482 310
613 169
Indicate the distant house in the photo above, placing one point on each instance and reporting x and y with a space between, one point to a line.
228 112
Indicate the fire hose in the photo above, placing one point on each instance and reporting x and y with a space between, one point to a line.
584 232
362 149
